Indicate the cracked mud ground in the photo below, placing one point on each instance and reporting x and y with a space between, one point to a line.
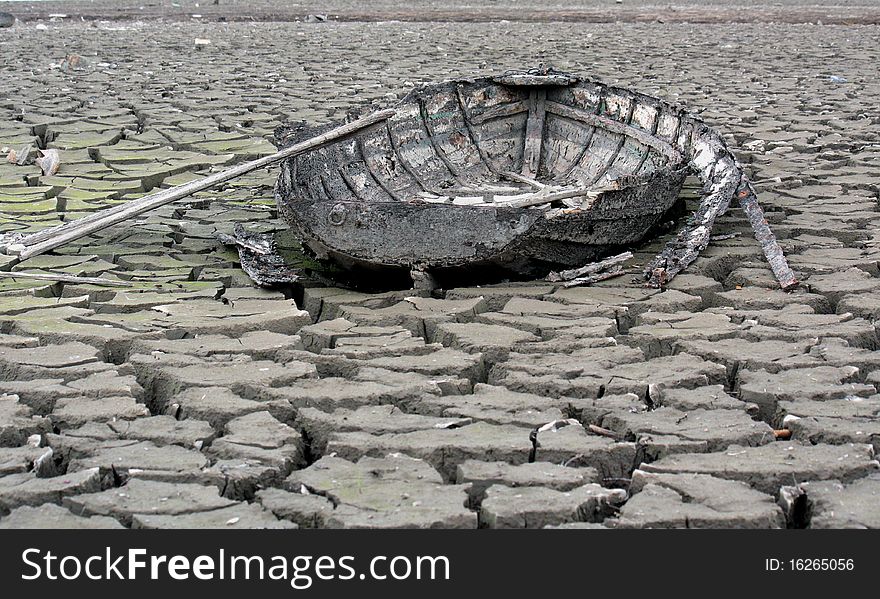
192 399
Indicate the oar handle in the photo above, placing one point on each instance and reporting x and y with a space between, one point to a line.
48 239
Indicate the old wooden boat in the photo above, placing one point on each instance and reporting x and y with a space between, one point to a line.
515 174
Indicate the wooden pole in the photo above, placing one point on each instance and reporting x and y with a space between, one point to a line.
43 241
59 278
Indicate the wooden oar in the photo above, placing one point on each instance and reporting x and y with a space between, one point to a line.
60 278
48 239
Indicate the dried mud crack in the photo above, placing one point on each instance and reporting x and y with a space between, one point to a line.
190 398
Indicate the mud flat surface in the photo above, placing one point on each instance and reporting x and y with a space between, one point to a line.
191 399
595 11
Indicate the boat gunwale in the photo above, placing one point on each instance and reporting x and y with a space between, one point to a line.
674 157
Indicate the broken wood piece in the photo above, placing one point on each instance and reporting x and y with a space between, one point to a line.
782 434
616 271
522 179
723 179
259 257
592 268
555 425
748 200
543 197
60 278
604 432
725 236
49 239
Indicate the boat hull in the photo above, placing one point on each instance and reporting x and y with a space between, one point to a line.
456 179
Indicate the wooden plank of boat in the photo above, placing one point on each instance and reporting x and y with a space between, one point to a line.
542 197
604 122
497 112
534 133
540 77
523 179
